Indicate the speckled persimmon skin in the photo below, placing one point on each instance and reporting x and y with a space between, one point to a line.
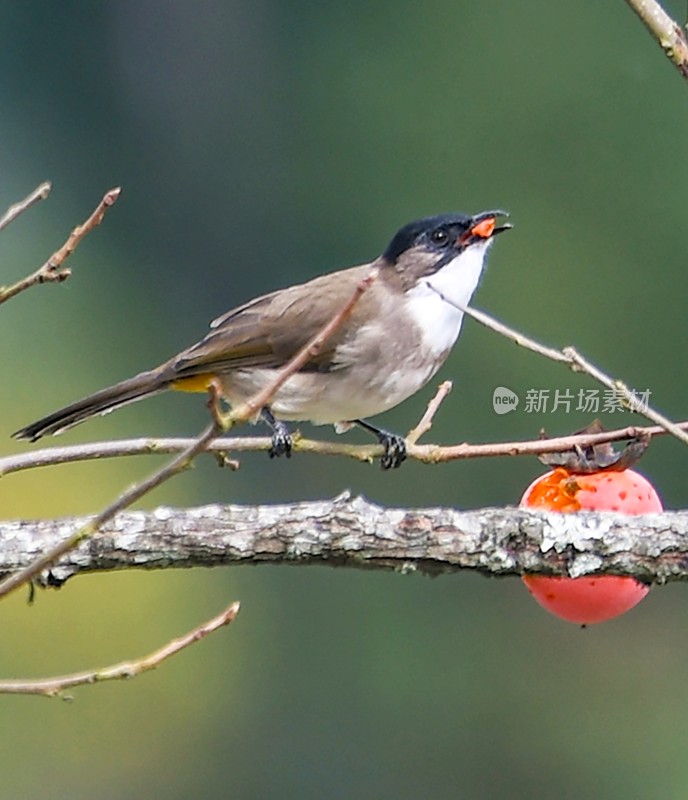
589 599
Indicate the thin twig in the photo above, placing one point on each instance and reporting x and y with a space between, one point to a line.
39 193
53 269
221 423
499 327
253 406
55 686
426 420
665 30
581 364
429 453
578 363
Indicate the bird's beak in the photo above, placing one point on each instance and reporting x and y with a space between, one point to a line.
484 226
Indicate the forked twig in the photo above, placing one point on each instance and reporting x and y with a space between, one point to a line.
54 270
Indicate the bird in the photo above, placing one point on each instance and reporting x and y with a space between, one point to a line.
396 338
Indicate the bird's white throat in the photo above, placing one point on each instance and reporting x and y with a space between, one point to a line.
427 303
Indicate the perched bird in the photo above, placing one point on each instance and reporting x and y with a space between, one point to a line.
398 335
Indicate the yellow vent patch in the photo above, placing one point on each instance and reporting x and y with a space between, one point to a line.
197 383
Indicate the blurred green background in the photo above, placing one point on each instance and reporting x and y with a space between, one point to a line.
259 144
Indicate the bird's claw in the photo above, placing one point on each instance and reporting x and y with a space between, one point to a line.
280 442
395 450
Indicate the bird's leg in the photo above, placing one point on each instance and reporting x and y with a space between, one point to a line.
395 446
281 438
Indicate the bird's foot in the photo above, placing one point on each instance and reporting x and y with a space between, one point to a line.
281 441
395 450
395 445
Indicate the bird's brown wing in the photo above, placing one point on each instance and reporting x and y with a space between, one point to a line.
270 330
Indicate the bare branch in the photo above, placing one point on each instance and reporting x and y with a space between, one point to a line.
53 269
666 31
426 420
580 364
427 454
352 532
39 193
311 349
55 686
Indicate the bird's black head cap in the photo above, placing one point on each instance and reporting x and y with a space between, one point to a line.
421 232
445 234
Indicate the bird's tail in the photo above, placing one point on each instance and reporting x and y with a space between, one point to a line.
143 385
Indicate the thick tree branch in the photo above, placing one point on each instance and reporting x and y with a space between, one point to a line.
353 532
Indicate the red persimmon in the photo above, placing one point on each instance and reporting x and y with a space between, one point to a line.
593 598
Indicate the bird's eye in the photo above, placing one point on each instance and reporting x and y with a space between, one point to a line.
439 237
